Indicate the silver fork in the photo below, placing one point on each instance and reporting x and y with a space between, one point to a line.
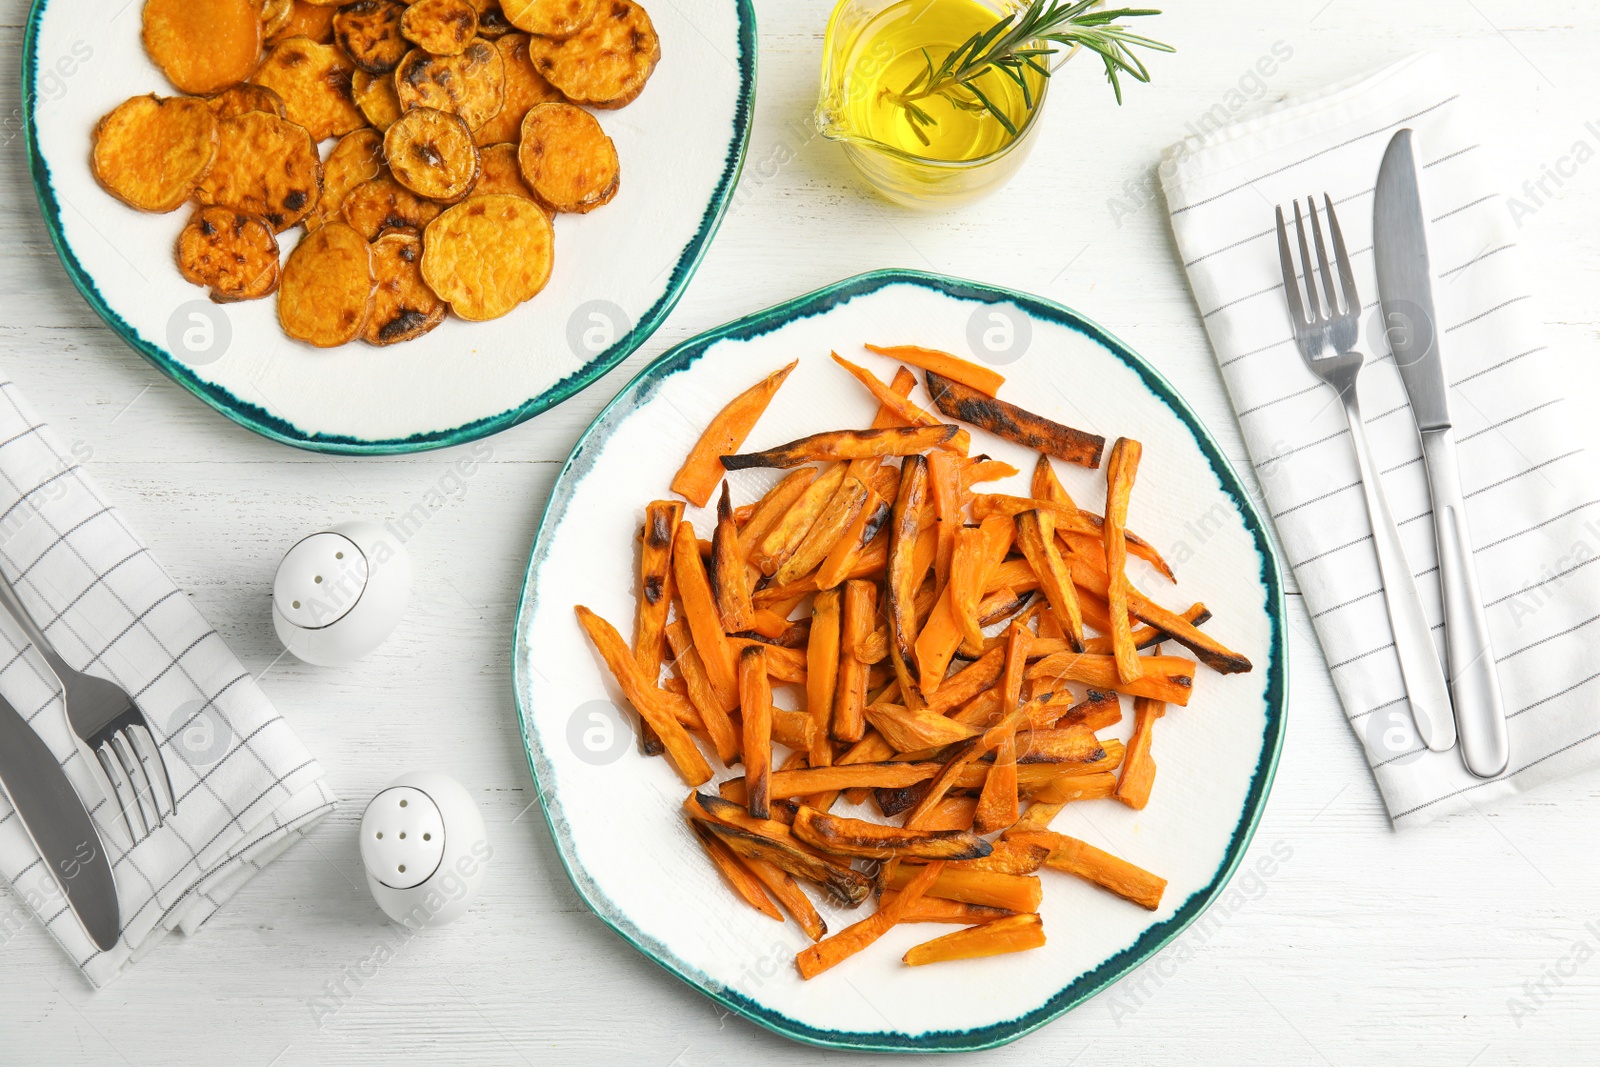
110 726
1326 334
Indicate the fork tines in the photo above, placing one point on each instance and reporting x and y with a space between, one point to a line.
1317 307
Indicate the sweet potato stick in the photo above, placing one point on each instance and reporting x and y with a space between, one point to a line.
915 731
855 837
952 813
997 804
1015 892
968 682
1138 767
1168 678
847 550
903 576
822 672
944 484
755 707
700 609
948 632
836 517
955 368
1016 934
846 444
781 884
957 401
852 939
857 614
967 566
1047 486
739 879
1121 469
905 412
1036 536
655 599
846 886
1102 868
940 910
786 534
773 507
728 577
980 470
719 727
701 472
650 702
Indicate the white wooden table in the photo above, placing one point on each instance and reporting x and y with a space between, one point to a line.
1363 946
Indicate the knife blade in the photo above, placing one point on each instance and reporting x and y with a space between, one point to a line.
59 826
1405 290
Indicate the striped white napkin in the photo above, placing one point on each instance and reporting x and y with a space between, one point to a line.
1533 501
246 786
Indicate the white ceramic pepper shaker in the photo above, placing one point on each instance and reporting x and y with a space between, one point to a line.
424 848
340 593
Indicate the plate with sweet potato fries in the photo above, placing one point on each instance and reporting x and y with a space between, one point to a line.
380 226
897 697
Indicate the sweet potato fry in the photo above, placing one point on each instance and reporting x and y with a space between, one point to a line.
947 630
708 807
1037 538
837 516
740 880
700 609
905 412
1168 678
850 697
786 534
903 576
1138 768
847 887
1008 857
961 761
781 884
846 444
974 678
702 470
955 368
914 731
847 942
967 567
755 708
792 729
856 837
1015 892
1102 868
773 507
1072 744
848 548
1047 486
1121 469
1097 711
661 518
650 702
958 401
944 484
940 910
822 672
997 804
982 469
953 813
719 727
1016 934
1137 546
729 581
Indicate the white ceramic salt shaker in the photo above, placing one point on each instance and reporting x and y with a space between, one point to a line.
339 593
424 848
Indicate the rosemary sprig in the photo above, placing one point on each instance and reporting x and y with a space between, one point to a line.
1017 44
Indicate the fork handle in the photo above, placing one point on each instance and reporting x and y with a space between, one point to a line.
1474 678
19 612
1413 641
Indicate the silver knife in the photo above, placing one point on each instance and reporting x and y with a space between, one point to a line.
1405 288
60 827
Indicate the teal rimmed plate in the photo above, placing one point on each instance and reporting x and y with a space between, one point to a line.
615 815
618 270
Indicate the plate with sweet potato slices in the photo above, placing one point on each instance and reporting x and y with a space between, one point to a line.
203 138
897 692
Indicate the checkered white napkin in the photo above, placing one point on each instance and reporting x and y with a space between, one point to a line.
1533 500
246 787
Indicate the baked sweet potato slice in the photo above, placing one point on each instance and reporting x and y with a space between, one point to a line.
700 612
369 33
858 613
556 19
383 205
327 288
856 837
524 89
357 158
314 21
472 84
275 15
958 401
567 159
233 254
940 910
432 153
314 81
265 166
697 479
836 518
501 173
915 731
607 63
203 46
375 95
403 307
237 99
151 152
1015 934
729 582
488 254
661 518
1036 537
443 27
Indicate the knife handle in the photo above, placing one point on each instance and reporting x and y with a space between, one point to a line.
1474 678
1413 640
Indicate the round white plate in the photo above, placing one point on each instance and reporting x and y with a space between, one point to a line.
618 271
616 816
